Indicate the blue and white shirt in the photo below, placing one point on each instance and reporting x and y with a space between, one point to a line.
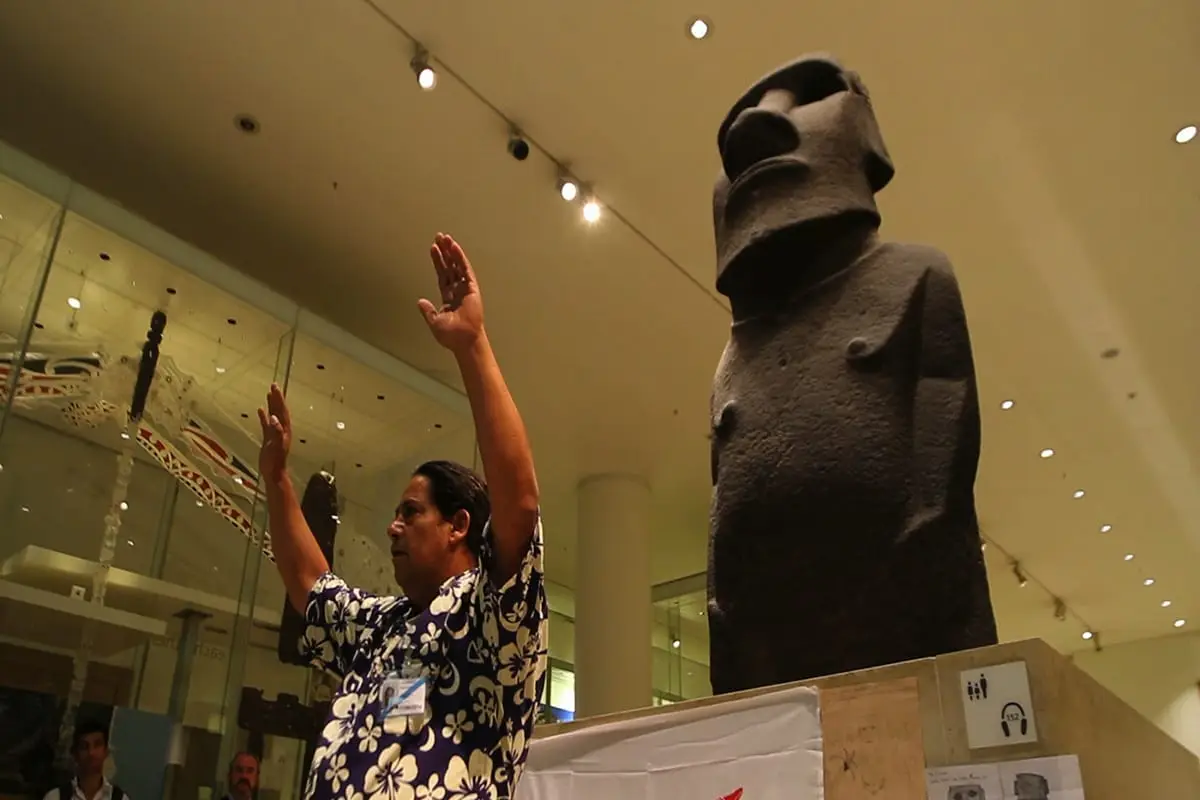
482 652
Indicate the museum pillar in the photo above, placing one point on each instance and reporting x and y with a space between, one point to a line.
612 596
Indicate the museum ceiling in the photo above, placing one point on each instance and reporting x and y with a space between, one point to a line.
1034 143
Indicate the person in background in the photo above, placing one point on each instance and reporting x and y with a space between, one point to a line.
89 749
462 654
243 777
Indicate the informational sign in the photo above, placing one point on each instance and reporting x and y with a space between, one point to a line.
998 706
1056 778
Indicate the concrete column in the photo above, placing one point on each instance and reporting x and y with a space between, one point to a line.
612 596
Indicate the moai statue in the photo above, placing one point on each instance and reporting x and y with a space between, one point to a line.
319 505
845 421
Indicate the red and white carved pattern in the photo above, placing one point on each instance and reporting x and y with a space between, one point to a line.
170 459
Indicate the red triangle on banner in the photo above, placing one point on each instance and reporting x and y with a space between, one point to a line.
735 795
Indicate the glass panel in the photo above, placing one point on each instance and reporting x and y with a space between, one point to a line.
29 227
680 654
146 524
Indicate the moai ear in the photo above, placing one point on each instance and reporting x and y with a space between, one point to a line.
877 161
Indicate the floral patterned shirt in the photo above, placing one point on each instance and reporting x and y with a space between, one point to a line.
482 652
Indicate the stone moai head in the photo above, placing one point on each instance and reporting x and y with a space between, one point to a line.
801 147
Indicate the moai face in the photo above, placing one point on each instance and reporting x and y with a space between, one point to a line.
800 147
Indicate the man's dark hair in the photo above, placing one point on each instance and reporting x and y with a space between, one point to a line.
455 488
87 728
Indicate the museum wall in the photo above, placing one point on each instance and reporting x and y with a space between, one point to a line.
1160 678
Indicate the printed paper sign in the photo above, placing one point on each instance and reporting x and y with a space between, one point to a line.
970 782
998 706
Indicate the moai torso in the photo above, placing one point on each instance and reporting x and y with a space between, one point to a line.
845 423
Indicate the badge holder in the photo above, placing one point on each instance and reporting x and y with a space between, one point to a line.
405 698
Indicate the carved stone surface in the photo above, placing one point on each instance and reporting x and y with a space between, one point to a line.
845 421
320 508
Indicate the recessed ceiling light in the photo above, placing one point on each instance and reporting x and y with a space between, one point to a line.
320 366
1105 528
246 124
1179 623
1186 134
1087 634
1078 494
1007 404
74 303
675 643
25 509
1148 582
1129 556
1165 603
341 426
129 542
124 435
698 28
220 370
1047 453
199 504
123 506
238 480
105 257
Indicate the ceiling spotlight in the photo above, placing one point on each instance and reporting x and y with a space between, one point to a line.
1047 453
426 77
698 28
220 370
199 504
591 211
1148 582
1105 528
1007 404
1129 556
341 426
675 643
1088 635
1186 134
1078 494
74 303
1179 623
123 506
568 189
124 435
1165 603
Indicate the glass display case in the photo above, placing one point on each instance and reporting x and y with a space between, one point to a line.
136 576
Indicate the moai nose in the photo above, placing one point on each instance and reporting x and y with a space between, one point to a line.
756 135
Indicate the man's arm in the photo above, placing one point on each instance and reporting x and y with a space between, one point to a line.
506 455
297 554
503 445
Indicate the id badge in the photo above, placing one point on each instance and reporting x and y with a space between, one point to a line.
403 697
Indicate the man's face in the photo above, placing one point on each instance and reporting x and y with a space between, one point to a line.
243 775
422 539
91 753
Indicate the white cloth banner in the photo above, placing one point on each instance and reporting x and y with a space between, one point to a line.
759 748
